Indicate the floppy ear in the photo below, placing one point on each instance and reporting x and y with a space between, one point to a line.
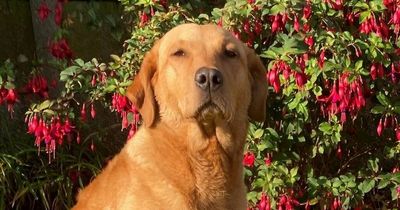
259 88
140 92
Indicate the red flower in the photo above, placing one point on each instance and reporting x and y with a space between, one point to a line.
67 126
337 4
276 24
38 85
43 11
301 79
58 13
249 159
143 19
11 98
61 49
376 71
307 11
258 27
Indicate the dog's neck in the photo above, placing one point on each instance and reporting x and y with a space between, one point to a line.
215 162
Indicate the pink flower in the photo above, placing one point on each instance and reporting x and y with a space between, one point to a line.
309 41
264 203
268 161
296 24
379 128
249 159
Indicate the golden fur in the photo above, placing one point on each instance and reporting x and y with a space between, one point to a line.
188 154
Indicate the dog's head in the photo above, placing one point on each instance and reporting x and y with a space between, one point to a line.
199 72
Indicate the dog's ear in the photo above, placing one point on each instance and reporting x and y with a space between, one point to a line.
141 92
259 88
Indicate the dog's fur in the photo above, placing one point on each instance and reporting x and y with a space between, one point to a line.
188 154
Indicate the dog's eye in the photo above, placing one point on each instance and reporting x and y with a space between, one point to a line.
230 53
179 53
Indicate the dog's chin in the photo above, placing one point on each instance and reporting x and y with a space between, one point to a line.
207 115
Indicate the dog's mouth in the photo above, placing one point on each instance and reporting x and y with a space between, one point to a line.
207 114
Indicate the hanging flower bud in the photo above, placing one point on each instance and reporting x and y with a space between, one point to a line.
92 111
83 112
93 81
339 152
380 127
78 138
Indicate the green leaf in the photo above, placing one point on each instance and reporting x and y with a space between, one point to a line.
273 133
110 88
44 105
325 128
295 102
270 54
373 164
378 109
70 71
367 185
80 62
358 64
364 15
383 183
258 133
293 171
383 99
397 109
277 9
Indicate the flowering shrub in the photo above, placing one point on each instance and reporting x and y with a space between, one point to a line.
332 137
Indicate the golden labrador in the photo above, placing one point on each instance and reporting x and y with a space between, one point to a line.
195 90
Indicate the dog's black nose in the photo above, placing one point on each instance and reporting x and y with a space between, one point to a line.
208 78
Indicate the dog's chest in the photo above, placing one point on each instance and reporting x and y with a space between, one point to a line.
211 167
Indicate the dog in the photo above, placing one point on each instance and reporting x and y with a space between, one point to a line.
196 90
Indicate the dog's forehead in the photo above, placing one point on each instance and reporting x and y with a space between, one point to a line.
210 35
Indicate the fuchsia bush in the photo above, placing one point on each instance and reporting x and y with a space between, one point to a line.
332 137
